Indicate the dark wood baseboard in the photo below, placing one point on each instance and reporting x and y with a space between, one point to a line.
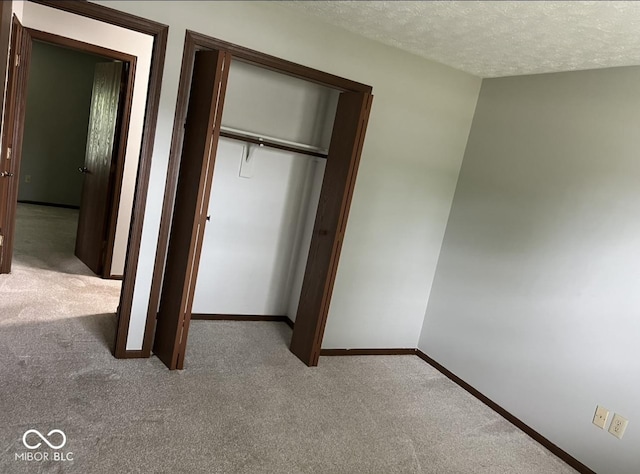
132 355
366 352
240 317
566 457
288 322
48 204
114 277
559 452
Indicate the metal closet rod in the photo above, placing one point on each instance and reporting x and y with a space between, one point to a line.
272 142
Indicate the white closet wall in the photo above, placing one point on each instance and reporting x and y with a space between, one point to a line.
257 241
274 104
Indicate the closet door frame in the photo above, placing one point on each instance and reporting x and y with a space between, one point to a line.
320 273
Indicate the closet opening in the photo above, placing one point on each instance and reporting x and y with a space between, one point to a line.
257 195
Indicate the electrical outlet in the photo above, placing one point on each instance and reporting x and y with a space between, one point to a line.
600 417
618 426
27 178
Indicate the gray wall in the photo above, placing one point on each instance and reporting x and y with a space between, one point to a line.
55 134
536 297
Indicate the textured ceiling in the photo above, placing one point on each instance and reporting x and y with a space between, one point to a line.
492 39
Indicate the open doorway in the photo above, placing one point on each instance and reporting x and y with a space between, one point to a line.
76 121
95 25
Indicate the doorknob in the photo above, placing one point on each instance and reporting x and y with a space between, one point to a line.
83 169
6 174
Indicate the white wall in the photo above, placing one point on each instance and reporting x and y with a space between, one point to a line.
535 301
274 104
112 37
415 142
248 253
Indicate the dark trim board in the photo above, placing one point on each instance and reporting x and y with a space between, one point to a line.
114 277
566 457
48 204
366 352
132 355
279 65
241 317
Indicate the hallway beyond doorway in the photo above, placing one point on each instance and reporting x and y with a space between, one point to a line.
47 280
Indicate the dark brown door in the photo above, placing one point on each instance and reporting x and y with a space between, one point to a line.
347 138
13 120
91 238
202 129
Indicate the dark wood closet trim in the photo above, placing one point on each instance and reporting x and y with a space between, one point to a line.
270 144
195 178
327 238
283 66
366 352
122 132
559 452
186 71
347 139
159 32
241 317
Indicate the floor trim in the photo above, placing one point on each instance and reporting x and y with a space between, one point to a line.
133 355
240 317
48 204
566 457
366 352
114 277
533 434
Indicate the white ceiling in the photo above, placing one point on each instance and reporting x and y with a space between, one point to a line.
499 38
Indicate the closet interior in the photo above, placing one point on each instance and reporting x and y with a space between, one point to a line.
267 177
265 158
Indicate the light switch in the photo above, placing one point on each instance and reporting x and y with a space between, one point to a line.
600 417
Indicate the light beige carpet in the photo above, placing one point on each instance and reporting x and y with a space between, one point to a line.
243 403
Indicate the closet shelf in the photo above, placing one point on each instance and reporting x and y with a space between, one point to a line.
272 142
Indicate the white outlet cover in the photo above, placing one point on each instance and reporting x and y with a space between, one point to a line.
600 417
618 426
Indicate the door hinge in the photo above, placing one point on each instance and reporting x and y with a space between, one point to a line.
17 60
1 239
9 153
